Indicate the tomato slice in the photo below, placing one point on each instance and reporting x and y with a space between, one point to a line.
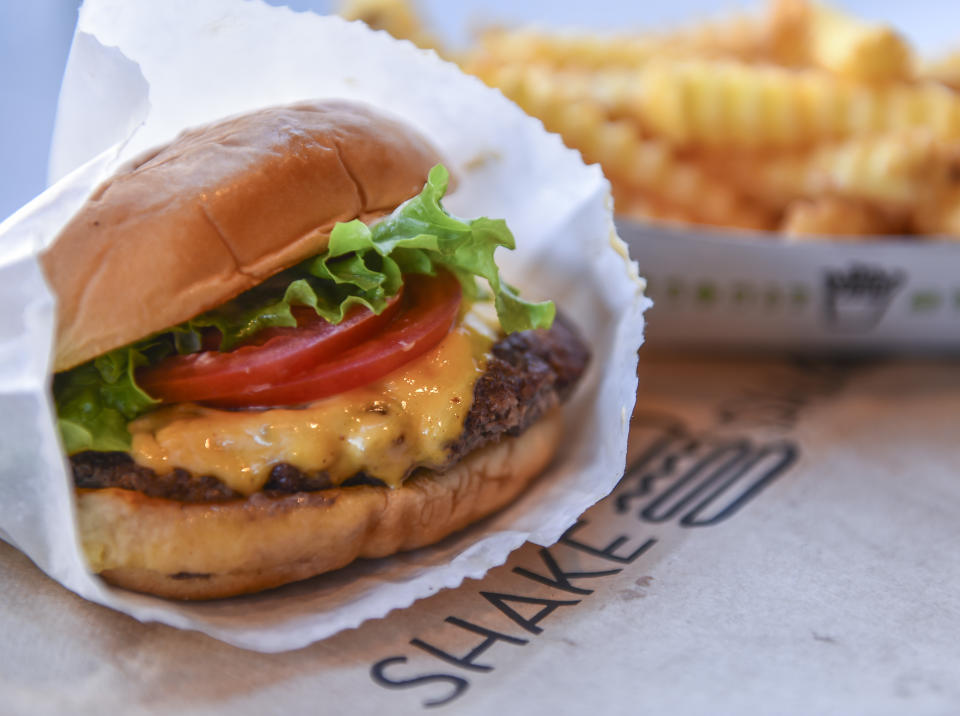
429 309
276 353
268 375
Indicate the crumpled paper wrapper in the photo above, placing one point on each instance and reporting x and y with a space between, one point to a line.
140 72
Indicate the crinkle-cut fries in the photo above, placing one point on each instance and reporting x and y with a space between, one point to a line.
891 170
798 118
727 103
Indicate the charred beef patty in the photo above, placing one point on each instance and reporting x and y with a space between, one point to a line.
530 373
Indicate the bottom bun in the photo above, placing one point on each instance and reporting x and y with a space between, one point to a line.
206 551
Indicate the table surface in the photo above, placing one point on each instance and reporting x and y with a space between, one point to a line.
823 581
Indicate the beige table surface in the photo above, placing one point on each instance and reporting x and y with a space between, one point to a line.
823 578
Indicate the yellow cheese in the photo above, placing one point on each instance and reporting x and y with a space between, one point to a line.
383 428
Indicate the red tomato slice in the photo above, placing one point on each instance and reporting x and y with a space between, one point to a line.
429 309
277 354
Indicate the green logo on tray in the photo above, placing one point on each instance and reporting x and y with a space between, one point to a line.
854 299
707 293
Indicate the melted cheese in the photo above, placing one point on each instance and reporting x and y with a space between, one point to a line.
384 428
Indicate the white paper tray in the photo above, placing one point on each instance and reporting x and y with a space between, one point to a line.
764 291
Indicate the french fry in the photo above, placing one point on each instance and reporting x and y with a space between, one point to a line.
643 166
860 51
641 206
397 17
944 69
617 92
788 23
740 36
499 46
717 208
938 214
837 218
893 170
644 204
822 36
723 104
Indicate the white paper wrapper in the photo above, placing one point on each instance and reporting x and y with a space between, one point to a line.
140 72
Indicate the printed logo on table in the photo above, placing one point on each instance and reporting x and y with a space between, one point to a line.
680 479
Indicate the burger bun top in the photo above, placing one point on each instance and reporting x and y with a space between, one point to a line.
187 227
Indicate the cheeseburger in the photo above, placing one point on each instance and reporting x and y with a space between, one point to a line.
274 357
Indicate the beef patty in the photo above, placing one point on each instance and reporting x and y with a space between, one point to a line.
530 373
